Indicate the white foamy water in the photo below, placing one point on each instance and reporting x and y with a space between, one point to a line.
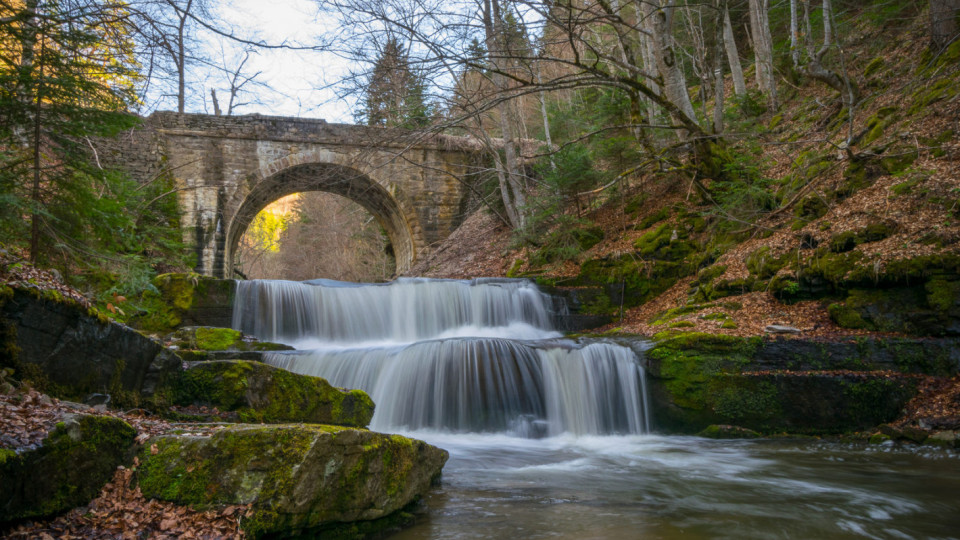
462 356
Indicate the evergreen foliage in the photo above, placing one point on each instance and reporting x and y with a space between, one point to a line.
396 95
67 79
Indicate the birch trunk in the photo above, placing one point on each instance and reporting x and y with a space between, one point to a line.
733 55
659 22
763 49
508 171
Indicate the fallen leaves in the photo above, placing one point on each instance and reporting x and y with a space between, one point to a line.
121 511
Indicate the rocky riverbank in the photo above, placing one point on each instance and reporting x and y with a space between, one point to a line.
181 456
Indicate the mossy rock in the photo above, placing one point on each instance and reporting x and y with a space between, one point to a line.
629 279
930 309
652 219
68 352
665 243
809 208
68 470
297 478
878 123
697 380
937 91
728 432
763 264
875 232
208 338
262 393
185 299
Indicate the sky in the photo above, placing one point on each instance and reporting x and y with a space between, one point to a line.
300 82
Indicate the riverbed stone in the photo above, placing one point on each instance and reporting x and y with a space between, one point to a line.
262 393
67 470
716 431
295 477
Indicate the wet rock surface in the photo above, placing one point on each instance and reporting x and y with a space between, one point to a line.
295 477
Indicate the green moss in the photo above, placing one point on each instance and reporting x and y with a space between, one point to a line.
878 438
715 431
809 208
928 95
745 398
869 400
681 324
514 270
673 313
265 466
653 219
763 264
729 325
665 243
261 393
847 317
6 454
875 66
690 365
942 294
216 339
879 122
899 159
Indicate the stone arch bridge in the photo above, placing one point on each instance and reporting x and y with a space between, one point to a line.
228 168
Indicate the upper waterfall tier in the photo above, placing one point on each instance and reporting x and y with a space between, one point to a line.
403 311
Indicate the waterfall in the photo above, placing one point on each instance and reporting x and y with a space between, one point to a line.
461 356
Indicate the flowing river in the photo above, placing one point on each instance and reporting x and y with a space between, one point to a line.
552 439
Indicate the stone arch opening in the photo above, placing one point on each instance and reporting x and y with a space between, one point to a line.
337 179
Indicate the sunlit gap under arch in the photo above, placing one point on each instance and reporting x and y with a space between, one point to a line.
315 234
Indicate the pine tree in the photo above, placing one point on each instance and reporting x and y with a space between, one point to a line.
396 96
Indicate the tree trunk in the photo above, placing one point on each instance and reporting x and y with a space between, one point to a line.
37 164
943 23
733 55
718 94
763 49
659 22
814 67
216 104
508 172
794 34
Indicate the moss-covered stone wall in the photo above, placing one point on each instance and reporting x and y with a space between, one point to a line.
796 386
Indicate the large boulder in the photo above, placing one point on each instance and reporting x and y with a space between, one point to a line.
67 470
70 351
262 393
295 477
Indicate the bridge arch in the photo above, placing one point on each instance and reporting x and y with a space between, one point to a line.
299 174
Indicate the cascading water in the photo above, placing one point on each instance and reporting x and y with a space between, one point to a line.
548 438
459 356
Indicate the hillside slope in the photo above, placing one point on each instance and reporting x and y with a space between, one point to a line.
802 232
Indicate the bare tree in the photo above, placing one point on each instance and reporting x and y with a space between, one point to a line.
809 60
168 40
763 49
733 55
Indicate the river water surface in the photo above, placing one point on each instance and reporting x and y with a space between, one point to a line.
551 438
